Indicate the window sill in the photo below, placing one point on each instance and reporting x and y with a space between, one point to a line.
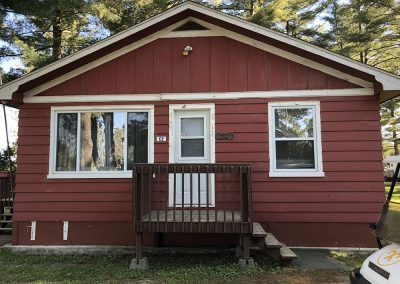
296 174
75 175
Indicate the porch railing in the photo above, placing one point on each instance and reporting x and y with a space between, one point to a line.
204 198
6 191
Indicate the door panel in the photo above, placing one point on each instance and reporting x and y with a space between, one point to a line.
192 145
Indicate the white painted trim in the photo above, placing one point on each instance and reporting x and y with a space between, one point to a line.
176 107
65 230
8 89
388 80
214 31
101 60
202 96
53 174
172 129
202 33
33 230
318 171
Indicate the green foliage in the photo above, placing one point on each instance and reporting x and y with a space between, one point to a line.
42 31
12 74
390 121
4 160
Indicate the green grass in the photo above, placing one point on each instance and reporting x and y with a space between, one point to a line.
351 259
221 268
396 192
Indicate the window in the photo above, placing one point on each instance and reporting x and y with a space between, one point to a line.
192 136
99 141
295 139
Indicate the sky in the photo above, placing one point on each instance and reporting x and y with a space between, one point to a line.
11 113
12 121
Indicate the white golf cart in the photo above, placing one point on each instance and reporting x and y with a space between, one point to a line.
383 266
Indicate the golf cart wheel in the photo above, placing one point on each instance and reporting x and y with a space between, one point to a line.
356 277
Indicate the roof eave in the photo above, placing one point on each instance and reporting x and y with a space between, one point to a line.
390 83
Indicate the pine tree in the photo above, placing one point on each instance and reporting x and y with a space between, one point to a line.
367 31
390 120
43 31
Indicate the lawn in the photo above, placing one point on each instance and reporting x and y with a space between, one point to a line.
396 192
220 268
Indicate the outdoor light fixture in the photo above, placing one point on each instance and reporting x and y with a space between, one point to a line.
187 50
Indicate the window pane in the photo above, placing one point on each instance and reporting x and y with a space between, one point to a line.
137 138
67 124
294 122
102 136
192 126
192 147
295 155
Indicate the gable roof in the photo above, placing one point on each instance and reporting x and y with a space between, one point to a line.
384 83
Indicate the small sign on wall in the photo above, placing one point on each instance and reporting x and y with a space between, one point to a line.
224 136
161 138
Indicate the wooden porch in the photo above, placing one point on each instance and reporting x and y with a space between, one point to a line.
192 198
7 185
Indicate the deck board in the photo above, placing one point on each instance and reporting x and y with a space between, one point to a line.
168 216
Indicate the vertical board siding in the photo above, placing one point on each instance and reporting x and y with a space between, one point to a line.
200 65
144 69
180 66
216 64
126 73
351 191
162 65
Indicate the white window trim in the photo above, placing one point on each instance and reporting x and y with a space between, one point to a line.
177 107
172 136
53 174
318 171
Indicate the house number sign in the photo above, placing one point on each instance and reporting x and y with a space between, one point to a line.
161 138
224 136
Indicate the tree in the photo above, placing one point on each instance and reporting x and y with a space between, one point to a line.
390 120
4 158
119 15
292 17
365 30
43 31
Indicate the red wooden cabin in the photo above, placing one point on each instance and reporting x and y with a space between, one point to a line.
195 123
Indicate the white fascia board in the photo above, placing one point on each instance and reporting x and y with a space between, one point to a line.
6 92
8 89
388 80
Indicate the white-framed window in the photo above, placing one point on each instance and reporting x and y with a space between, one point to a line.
100 141
295 148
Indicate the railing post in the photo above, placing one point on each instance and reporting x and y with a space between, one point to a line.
244 189
138 204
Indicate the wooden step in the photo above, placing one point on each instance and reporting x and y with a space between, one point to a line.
286 253
271 241
5 221
6 229
258 230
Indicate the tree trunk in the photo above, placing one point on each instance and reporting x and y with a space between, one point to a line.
57 33
394 132
86 141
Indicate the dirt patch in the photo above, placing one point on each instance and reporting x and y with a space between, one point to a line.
5 239
303 277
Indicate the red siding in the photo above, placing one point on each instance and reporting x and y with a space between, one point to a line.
216 64
350 194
